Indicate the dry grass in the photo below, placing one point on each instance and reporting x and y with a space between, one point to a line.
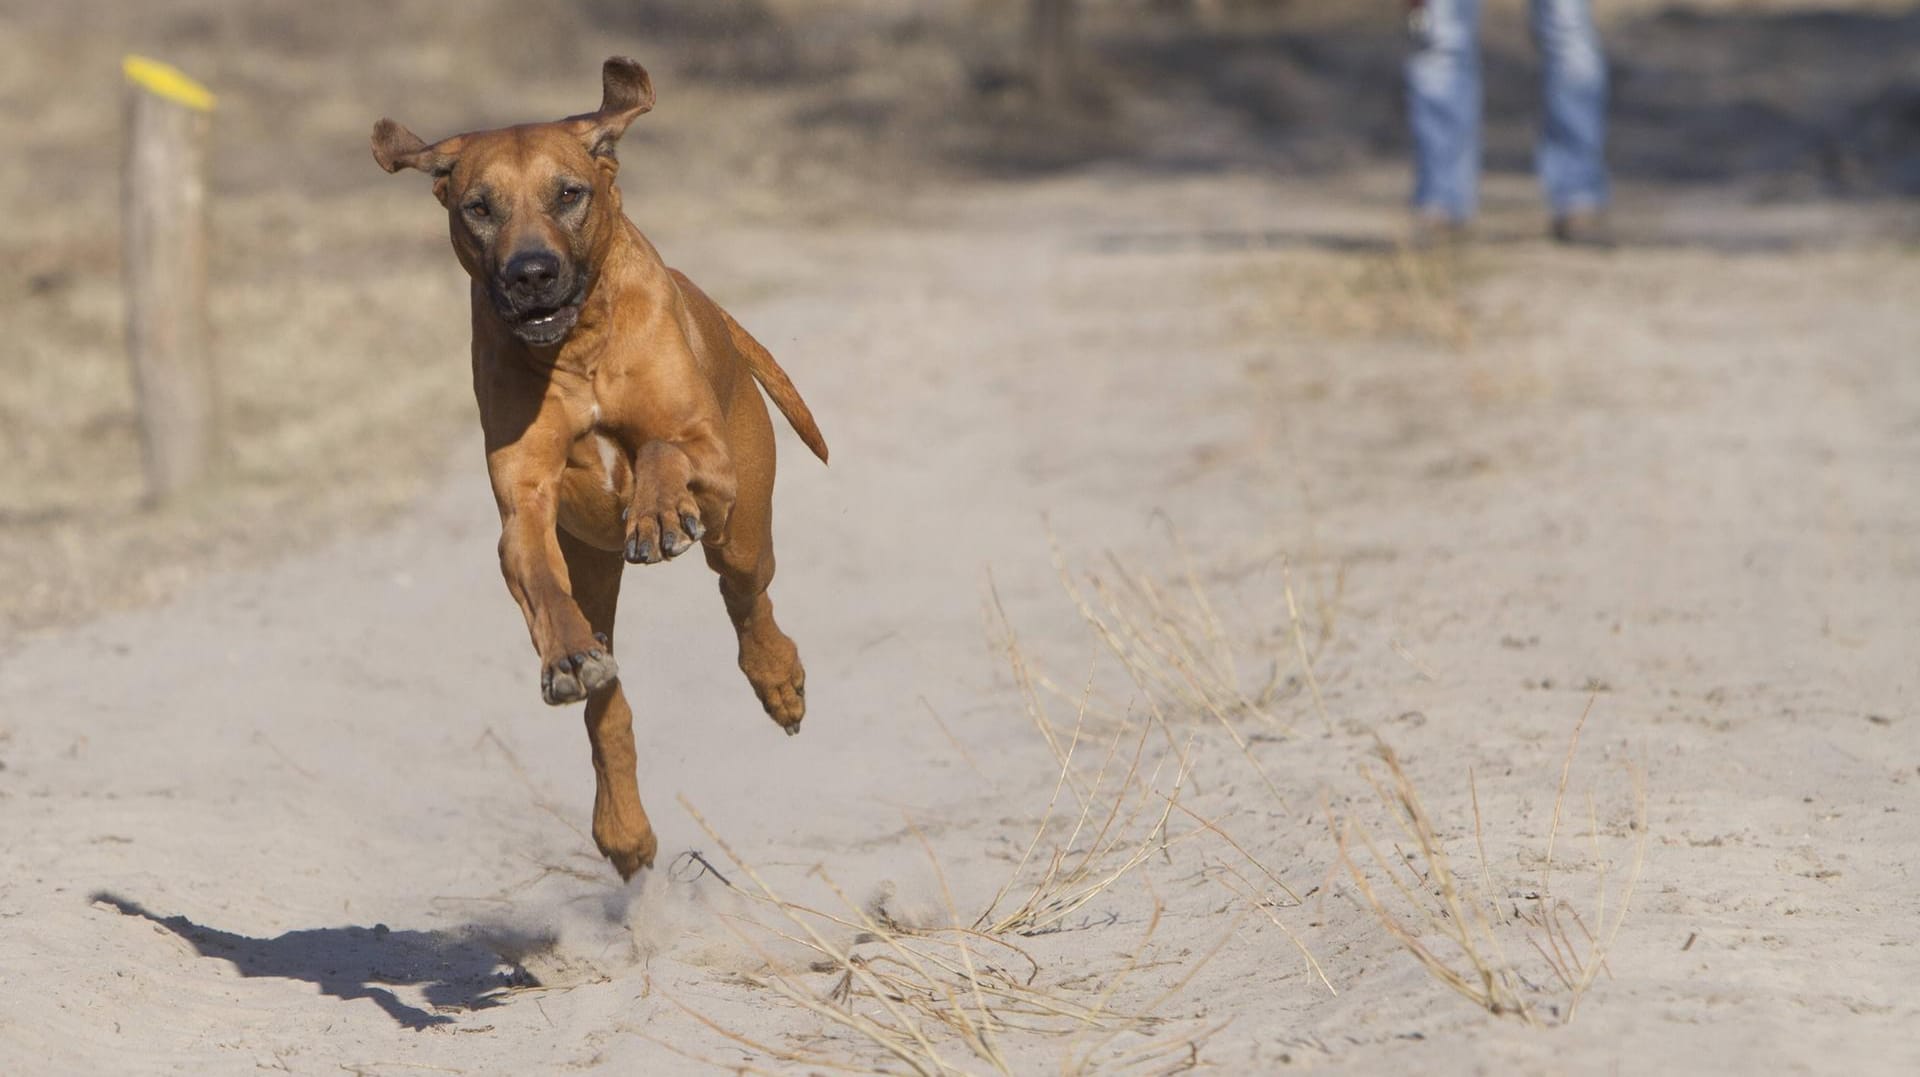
1181 661
969 993
942 999
1431 903
1400 292
1460 928
1120 822
945 998
1179 658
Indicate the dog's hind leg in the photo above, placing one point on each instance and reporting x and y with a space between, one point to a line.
744 561
620 825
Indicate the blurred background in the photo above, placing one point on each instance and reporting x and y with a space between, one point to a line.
336 316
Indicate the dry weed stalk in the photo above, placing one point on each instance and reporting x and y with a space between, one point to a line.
1171 642
1119 844
1577 962
1123 823
912 992
1486 978
941 1000
1435 903
1174 649
1300 645
1094 1058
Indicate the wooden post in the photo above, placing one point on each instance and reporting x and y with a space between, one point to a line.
164 250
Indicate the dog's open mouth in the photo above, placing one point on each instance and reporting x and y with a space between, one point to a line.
545 326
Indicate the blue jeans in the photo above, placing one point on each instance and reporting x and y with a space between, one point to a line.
1444 100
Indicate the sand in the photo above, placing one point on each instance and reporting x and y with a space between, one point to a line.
277 791
313 817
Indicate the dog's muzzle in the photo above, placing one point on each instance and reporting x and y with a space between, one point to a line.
533 296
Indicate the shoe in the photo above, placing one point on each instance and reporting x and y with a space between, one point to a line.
1583 228
1437 228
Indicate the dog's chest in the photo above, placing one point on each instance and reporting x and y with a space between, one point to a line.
606 450
594 489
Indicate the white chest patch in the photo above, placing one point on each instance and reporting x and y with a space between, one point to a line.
608 457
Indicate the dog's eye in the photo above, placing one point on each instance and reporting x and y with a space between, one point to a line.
478 208
571 194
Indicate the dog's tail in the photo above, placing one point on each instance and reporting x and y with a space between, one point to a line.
766 371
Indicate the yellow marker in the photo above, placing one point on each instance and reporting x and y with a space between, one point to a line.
166 81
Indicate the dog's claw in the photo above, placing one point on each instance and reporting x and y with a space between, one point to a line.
576 676
662 518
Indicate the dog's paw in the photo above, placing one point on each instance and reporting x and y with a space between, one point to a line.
663 527
779 680
627 849
786 702
576 676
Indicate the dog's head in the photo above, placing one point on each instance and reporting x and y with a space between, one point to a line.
531 207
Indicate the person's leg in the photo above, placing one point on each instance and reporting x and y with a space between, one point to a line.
1443 107
1572 151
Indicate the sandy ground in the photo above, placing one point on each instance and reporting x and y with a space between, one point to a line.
313 817
277 791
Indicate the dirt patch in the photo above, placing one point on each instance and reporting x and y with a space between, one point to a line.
1676 491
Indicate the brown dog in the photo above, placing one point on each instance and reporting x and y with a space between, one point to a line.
620 415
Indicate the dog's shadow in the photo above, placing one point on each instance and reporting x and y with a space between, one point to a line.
461 970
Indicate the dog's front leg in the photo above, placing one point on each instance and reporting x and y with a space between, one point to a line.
683 491
526 486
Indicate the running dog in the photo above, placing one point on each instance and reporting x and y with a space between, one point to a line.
621 416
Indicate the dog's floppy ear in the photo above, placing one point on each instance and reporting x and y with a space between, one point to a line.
395 148
626 93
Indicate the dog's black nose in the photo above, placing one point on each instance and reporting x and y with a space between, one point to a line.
532 272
